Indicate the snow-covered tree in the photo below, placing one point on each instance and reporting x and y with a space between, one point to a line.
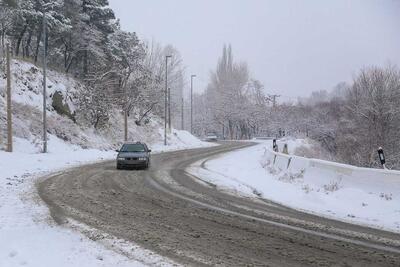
155 88
372 118
234 101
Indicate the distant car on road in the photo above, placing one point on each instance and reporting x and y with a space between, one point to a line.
211 138
133 155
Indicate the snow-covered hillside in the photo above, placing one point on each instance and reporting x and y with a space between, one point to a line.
62 97
357 195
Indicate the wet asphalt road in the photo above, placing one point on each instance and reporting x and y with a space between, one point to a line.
192 222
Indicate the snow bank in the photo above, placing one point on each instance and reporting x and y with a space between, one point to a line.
26 237
293 143
360 195
364 196
179 140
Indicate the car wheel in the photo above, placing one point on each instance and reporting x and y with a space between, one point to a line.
119 167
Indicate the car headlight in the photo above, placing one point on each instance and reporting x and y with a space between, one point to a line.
120 158
142 158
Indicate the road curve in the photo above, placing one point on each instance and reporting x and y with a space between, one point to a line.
178 216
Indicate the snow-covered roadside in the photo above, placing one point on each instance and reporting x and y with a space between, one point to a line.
245 172
27 234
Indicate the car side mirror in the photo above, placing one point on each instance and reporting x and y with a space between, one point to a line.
117 150
149 150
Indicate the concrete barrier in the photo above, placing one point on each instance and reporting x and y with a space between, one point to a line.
330 174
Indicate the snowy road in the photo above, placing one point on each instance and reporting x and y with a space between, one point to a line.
191 222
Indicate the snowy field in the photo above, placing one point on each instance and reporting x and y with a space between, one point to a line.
355 195
28 235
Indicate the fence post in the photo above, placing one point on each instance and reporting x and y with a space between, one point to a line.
382 157
288 164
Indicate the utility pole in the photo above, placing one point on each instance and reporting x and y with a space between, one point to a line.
9 111
124 93
169 111
122 85
191 102
44 84
166 99
182 116
274 97
126 120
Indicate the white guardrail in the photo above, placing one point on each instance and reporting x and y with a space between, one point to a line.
323 172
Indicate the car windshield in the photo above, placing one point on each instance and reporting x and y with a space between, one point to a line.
133 148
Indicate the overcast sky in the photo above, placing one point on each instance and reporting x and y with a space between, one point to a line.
293 47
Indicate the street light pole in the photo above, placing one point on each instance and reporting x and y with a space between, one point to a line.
169 111
182 118
191 102
44 84
166 99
